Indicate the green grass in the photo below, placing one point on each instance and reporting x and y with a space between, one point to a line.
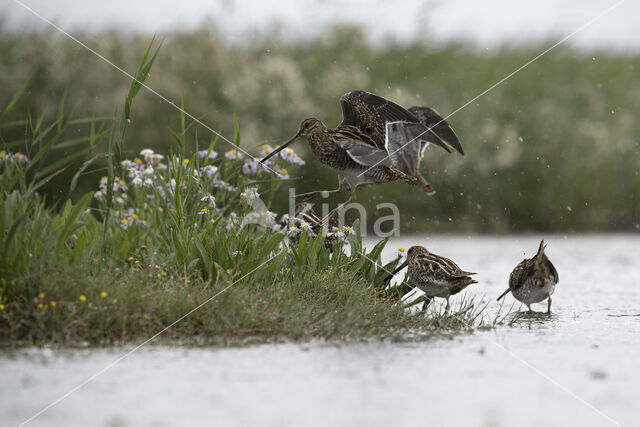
146 248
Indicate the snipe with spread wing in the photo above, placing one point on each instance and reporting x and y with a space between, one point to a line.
435 275
377 141
533 280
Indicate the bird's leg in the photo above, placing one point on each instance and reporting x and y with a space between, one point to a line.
324 193
446 310
529 307
549 305
309 195
427 301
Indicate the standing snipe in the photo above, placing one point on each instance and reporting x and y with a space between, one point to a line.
435 275
533 280
377 141
305 220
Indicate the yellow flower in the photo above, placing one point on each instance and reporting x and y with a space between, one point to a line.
52 304
159 275
41 295
90 305
400 249
40 306
82 298
103 294
134 217
3 154
1 307
185 161
137 161
122 183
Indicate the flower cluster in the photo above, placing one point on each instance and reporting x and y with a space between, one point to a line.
129 219
209 154
7 157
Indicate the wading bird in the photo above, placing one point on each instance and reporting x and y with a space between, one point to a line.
434 275
377 141
533 280
306 220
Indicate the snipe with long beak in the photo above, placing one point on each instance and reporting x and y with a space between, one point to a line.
360 149
533 280
434 275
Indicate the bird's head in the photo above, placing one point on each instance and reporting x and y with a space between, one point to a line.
307 127
414 251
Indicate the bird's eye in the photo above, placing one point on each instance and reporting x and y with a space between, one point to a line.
306 124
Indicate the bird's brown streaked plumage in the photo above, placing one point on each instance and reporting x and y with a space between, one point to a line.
357 148
305 217
533 280
435 275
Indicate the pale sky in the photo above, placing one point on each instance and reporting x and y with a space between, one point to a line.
483 23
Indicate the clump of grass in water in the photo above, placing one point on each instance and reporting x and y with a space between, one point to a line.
163 236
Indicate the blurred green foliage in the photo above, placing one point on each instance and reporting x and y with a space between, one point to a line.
556 147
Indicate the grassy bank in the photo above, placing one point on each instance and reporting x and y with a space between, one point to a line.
182 239
555 147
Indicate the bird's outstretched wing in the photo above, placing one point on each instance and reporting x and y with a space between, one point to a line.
440 131
365 154
371 113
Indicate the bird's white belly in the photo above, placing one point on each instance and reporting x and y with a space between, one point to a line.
531 291
434 289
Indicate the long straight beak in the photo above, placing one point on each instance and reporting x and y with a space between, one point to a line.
400 267
279 149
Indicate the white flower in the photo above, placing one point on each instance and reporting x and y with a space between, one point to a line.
293 230
148 155
148 172
155 159
136 182
211 201
99 196
250 193
126 164
250 167
348 231
210 170
233 154
335 231
266 150
202 153
401 252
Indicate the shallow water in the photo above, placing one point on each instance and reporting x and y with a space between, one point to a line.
577 367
